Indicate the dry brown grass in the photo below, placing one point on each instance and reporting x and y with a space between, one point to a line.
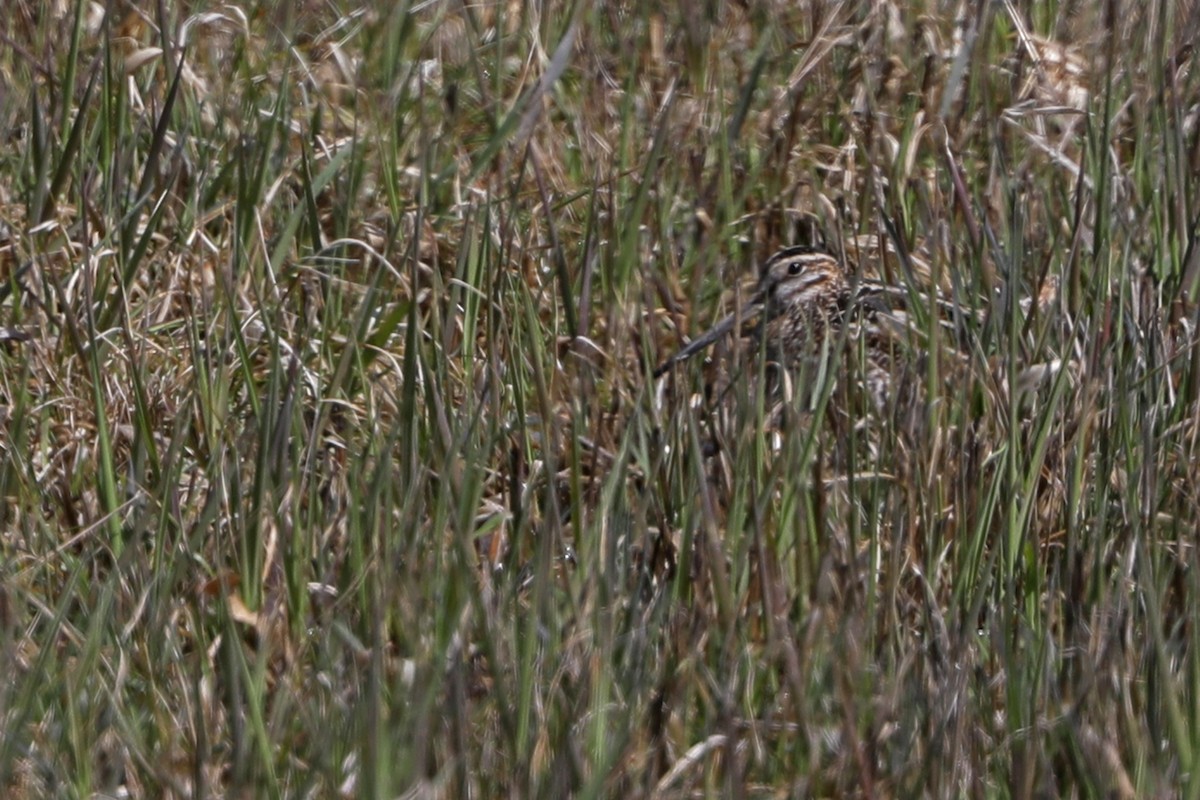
330 463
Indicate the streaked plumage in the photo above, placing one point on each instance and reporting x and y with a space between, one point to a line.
803 294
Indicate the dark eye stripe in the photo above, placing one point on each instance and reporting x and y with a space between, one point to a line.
804 258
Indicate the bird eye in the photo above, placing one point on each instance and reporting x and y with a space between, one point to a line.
794 268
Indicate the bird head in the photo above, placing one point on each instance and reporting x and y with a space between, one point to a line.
797 277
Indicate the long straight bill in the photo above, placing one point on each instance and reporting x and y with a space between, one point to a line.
711 335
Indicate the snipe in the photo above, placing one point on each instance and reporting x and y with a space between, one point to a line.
803 296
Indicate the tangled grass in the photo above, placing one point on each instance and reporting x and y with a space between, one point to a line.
331 463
